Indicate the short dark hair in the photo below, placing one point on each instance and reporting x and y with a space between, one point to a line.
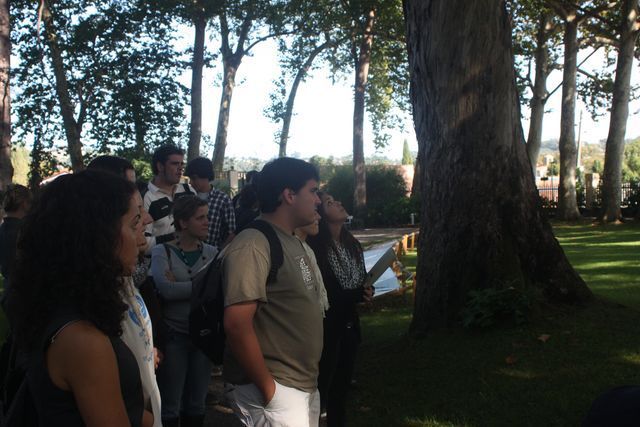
200 167
81 213
184 208
161 155
113 164
15 196
280 174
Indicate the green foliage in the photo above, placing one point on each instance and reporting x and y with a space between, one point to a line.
597 167
387 202
487 307
143 169
340 186
121 70
526 16
631 163
407 158
633 200
553 169
596 92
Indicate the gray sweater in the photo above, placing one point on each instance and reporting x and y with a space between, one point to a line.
176 296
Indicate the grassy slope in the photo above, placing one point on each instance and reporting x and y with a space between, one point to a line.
459 377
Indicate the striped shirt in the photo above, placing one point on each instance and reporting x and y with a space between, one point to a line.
159 204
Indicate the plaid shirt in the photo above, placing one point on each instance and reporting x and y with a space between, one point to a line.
222 219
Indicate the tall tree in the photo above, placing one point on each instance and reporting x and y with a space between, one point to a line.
6 168
380 75
114 76
249 22
195 130
299 54
284 111
572 16
72 124
407 159
378 68
614 151
482 225
535 40
362 59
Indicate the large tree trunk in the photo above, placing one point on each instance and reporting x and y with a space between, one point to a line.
288 114
567 199
540 94
71 127
195 131
362 72
6 168
228 84
482 225
614 151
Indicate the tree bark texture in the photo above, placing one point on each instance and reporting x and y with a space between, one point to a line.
228 84
362 62
288 114
195 131
567 200
614 151
6 168
482 225
231 60
72 127
540 94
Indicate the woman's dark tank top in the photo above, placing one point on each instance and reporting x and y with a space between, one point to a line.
57 407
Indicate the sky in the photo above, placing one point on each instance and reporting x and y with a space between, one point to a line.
322 123
592 131
323 112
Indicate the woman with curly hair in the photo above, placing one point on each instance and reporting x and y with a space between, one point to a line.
77 242
185 372
341 262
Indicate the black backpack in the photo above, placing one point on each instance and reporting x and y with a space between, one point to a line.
206 327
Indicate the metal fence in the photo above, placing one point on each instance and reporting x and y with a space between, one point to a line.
550 193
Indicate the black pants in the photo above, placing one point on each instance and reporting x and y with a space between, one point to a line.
336 370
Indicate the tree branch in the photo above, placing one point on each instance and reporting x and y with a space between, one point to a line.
580 64
224 35
269 36
244 33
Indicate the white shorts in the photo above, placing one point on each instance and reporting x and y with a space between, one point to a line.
289 406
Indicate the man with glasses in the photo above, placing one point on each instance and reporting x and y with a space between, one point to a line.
167 165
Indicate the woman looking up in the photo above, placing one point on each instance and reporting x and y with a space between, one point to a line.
185 372
341 262
77 242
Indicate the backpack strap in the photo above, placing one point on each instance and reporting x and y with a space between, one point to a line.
186 188
275 247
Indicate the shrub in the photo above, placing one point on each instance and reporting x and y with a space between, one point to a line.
486 307
387 203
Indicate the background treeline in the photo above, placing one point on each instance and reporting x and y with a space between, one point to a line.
89 77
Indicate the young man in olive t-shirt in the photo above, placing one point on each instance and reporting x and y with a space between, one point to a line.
274 332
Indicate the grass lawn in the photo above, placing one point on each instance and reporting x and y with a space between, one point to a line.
507 376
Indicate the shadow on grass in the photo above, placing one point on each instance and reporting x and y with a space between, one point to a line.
506 376
502 376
